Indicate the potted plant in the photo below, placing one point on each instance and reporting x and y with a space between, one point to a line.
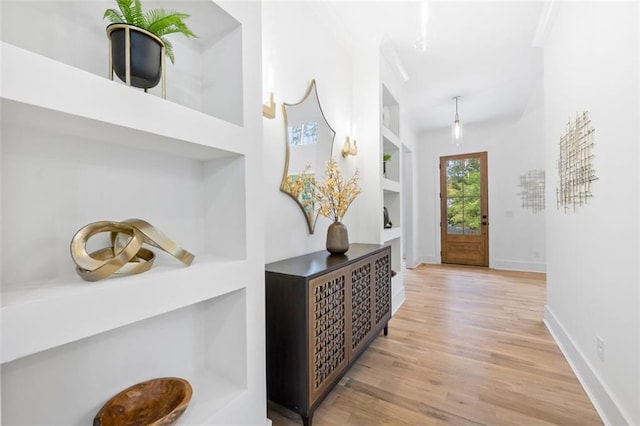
143 65
385 158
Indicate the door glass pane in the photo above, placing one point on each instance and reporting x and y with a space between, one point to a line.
463 196
472 177
454 217
471 215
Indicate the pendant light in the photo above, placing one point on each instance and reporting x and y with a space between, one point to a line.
456 127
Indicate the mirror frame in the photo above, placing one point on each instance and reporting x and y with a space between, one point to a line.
311 222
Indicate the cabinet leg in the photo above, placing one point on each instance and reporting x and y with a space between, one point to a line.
386 330
307 420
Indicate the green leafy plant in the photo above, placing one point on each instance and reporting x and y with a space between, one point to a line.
386 157
160 22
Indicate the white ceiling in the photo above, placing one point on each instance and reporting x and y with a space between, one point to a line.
479 50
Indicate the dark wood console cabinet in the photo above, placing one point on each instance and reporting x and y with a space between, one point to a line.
322 312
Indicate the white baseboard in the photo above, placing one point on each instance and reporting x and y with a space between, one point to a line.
428 259
511 265
597 391
508 265
412 263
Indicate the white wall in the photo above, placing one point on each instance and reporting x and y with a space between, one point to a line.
591 63
516 235
366 109
638 130
300 49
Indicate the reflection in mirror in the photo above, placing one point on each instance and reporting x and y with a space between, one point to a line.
309 146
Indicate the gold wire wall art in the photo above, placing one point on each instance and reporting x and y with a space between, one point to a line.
532 190
125 255
575 163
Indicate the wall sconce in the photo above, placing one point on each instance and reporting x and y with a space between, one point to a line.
349 148
269 110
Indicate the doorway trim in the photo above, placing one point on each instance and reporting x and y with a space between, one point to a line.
465 248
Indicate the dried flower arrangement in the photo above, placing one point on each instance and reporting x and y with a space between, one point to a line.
335 194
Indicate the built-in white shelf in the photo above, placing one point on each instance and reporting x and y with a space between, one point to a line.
80 103
392 201
198 343
392 108
396 261
397 286
389 185
66 103
77 148
391 147
390 138
391 182
390 234
397 280
193 80
40 316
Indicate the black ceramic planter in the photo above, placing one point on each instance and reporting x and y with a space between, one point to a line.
146 55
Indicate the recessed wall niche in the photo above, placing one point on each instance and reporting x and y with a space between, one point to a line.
206 76
192 342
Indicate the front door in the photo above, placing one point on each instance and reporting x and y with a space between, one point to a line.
464 225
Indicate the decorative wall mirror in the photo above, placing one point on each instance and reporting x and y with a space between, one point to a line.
309 142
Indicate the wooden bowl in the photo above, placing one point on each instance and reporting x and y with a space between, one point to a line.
156 402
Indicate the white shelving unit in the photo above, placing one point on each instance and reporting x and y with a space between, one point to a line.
78 148
391 184
378 116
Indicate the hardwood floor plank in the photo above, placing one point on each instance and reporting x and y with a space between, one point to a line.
468 347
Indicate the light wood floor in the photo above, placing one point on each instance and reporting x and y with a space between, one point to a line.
468 347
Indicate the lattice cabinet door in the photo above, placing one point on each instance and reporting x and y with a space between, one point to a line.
361 301
328 319
382 287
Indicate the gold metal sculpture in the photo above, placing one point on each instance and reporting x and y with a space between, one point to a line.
575 163
125 255
532 195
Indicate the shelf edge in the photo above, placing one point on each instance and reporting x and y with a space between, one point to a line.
69 90
44 323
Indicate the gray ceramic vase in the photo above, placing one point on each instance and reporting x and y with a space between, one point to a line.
337 238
